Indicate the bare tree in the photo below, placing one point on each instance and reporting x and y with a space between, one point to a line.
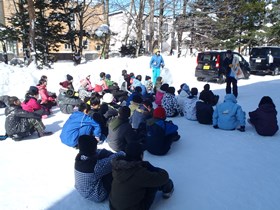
180 31
31 12
139 25
151 25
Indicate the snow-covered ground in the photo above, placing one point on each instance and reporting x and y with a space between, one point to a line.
212 169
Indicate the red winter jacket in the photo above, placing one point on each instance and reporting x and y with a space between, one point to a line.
44 94
31 106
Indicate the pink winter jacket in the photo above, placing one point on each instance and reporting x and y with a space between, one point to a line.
31 106
159 96
44 94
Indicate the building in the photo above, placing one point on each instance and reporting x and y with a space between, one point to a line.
94 20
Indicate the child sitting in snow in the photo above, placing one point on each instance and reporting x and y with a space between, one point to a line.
190 105
93 169
264 118
20 123
170 103
160 133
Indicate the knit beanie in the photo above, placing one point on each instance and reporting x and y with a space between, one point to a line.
33 90
171 90
134 151
108 98
108 76
159 113
164 87
69 77
137 99
124 112
87 145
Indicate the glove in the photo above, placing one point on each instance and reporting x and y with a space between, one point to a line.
241 129
215 126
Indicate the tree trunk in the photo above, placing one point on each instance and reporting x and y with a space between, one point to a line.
180 32
173 41
31 12
160 31
139 25
151 26
128 22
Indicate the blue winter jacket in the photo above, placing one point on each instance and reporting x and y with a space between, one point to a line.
78 124
229 115
156 61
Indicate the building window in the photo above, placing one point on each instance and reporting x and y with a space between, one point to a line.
67 46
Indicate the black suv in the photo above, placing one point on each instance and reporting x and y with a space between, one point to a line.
210 66
259 60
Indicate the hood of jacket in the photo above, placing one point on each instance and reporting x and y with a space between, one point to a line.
267 108
230 98
116 122
125 169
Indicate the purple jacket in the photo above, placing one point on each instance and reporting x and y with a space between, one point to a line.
264 119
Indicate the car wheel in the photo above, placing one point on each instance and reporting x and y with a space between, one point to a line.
276 71
200 79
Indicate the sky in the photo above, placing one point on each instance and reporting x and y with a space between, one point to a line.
211 169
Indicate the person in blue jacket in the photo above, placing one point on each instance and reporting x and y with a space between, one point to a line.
229 115
155 64
79 123
160 133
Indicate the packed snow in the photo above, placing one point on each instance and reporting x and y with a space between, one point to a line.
212 169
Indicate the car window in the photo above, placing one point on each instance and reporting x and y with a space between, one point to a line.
208 57
259 52
275 52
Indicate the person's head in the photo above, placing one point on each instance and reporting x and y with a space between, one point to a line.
108 98
147 78
42 82
137 99
159 113
229 53
266 100
124 112
84 107
13 101
134 151
87 145
171 90
69 77
159 79
108 76
206 87
164 87
139 77
33 91
194 91
138 89
102 75
124 72
94 102
157 51
44 77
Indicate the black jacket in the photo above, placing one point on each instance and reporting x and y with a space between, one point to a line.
120 134
17 120
204 113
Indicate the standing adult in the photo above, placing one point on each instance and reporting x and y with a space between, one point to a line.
270 61
230 74
155 64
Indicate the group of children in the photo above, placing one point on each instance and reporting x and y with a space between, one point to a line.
130 118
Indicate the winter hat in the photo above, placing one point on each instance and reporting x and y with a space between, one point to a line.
87 145
12 100
266 100
69 77
186 88
207 87
108 76
147 78
164 87
108 98
171 90
156 50
124 72
134 151
124 112
137 99
159 113
194 91
33 90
